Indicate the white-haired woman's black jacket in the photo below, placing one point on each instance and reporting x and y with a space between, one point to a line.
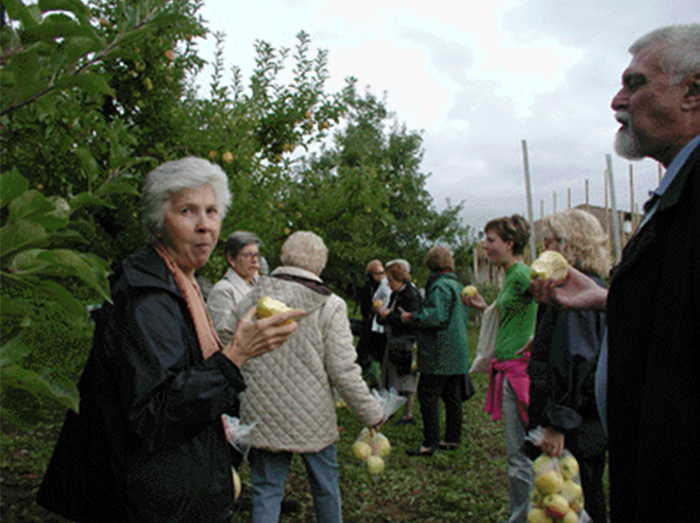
148 444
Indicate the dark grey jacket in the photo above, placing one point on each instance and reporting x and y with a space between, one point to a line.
148 444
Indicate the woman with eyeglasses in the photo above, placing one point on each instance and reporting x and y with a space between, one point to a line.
243 257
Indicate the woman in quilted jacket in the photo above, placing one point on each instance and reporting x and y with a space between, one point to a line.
291 395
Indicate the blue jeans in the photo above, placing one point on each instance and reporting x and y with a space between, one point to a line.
519 465
269 472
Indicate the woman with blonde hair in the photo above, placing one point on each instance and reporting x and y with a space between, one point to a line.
564 356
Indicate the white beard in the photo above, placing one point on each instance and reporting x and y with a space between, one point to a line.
626 142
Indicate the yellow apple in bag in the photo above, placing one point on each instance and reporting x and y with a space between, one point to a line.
550 482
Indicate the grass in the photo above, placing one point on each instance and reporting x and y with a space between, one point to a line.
469 484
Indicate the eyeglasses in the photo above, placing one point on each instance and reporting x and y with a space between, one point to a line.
250 255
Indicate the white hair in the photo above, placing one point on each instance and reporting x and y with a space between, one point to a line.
305 250
168 179
680 55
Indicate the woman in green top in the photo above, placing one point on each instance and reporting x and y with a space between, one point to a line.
508 393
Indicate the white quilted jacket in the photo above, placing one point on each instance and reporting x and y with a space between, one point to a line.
290 390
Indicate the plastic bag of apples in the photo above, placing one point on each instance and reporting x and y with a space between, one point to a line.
371 446
557 495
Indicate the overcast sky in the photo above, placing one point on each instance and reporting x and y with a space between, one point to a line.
477 78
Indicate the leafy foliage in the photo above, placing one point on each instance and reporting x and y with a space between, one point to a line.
94 95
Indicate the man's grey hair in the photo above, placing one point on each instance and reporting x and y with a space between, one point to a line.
168 179
681 49
305 250
239 239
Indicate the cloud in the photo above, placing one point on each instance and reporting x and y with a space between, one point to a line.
478 78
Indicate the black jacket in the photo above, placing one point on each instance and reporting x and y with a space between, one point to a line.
562 369
408 299
148 444
653 313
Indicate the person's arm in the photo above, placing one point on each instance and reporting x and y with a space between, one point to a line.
158 383
577 292
343 371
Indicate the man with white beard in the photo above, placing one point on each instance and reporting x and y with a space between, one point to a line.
648 375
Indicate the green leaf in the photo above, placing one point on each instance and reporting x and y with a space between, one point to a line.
14 350
85 199
91 83
25 67
80 10
18 11
63 297
19 234
26 379
87 160
116 187
29 205
90 269
12 185
52 31
79 46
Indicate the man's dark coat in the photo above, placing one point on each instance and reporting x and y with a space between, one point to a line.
653 316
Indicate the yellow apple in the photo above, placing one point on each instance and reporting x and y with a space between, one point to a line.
568 466
570 517
268 307
237 487
227 157
549 264
571 490
380 444
577 504
550 482
469 291
555 506
361 450
375 465
540 464
537 515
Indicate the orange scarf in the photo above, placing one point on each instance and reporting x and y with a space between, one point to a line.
209 342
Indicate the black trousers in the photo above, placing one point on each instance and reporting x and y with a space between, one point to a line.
431 389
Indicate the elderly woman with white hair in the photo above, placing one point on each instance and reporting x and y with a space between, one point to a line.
290 391
148 444
243 258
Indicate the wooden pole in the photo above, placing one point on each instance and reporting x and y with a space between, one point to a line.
554 202
606 209
568 197
613 208
588 204
528 190
632 213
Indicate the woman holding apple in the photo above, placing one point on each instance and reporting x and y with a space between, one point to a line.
508 392
564 356
148 444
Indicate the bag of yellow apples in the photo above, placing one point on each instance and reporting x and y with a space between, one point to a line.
557 495
372 447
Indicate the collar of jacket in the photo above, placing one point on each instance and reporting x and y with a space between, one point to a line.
145 268
644 237
303 277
